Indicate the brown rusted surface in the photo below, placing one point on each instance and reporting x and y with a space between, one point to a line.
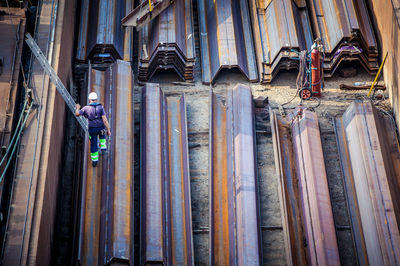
279 28
106 225
92 185
120 198
303 190
288 190
319 228
101 37
12 28
29 231
166 223
347 33
234 217
167 42
369 155
152 225
221 189
226 38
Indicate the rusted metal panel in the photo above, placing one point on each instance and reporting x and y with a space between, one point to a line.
288 191
234 215
12 28
369 155
279 28
346 32
82 51
167 42
318 220
166 226
226 38
303 188
101 38
89 235
120 198
28 232
106 222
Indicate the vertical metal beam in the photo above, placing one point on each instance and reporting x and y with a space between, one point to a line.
369 155
166 226
234 217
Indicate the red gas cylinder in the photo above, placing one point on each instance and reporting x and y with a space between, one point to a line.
316 73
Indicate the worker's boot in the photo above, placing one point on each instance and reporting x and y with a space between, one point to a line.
103 146
95 158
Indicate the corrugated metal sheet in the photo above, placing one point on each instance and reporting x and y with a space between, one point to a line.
166 219
234 216
106 222
303 189
370 160
279 27
101 38
346 32
226 38
167 42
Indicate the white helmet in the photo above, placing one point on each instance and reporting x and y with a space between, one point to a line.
93 96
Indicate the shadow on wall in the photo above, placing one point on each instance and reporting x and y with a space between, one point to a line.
388 32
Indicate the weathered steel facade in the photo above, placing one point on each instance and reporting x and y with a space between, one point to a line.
303 189
226 39
279 28
101 38
346 32
33 196
234 216
106 222
166 219
369 156
167 42
12 28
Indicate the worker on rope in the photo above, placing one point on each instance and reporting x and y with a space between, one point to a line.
98 126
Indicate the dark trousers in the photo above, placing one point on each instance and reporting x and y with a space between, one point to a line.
94 142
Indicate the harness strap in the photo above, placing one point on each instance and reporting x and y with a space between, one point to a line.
95 112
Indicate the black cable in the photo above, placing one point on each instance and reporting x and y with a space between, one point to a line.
15 146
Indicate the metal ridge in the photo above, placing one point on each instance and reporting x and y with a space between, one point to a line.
369 156
101 39
226 38
106 222
303 189
167 42
166 221
279 27
343 26
288 191
234 216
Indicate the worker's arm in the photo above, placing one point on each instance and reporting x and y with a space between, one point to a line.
105 121
77 109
